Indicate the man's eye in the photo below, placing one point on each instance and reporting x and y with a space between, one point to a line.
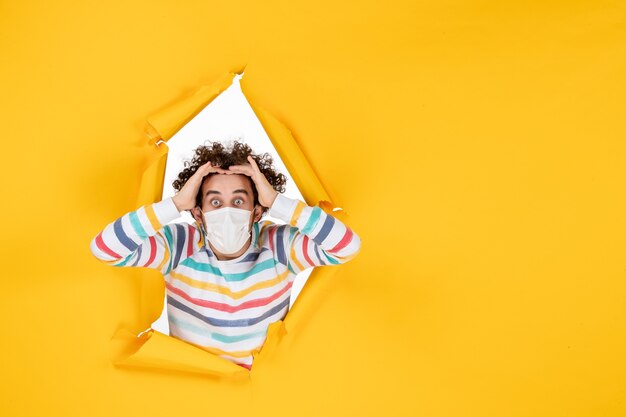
215 201
239 199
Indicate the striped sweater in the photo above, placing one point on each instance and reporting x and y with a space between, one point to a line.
225 307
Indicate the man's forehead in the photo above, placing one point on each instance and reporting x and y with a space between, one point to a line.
227 183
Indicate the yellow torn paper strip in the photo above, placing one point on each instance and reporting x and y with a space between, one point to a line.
165 123
164 351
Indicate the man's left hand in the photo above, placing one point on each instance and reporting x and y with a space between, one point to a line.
267 193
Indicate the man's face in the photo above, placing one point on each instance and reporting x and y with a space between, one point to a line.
227 190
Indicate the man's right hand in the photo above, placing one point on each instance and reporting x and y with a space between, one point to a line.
185 199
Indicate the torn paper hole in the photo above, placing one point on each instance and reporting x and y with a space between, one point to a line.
228 117
155 349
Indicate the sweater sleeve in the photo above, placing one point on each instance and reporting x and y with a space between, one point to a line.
141 238
311 237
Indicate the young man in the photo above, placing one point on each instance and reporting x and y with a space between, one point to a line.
229 275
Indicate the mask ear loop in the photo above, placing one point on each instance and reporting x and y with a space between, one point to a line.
253 228
200 223
207 249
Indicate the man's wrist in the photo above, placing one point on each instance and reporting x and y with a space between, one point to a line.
283 207
166 210
273 199
177 204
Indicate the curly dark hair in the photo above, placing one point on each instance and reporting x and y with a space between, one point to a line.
236 154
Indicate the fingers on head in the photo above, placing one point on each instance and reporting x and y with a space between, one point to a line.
205 168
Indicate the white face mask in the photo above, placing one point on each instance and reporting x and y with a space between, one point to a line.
227 228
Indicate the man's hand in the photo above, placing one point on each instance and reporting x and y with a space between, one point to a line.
186 197
267 194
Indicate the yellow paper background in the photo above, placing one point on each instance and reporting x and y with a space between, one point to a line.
478 147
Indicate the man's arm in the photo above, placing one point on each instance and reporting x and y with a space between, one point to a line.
311 237
141 238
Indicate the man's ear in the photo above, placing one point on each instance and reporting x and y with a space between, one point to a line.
197 214
258 212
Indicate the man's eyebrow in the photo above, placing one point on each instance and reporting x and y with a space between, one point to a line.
240 190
